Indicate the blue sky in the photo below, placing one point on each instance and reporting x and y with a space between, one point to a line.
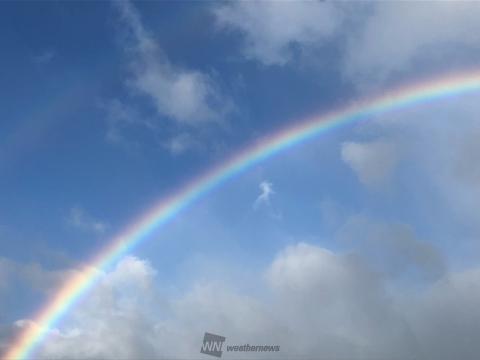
107 107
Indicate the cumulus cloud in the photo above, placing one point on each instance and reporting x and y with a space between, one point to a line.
116 321
266 191
186 96
396 35
437 144
314 303
112 323
80 219
335 305
272 31
445 319
373 162
375 40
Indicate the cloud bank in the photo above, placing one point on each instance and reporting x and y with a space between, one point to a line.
315 303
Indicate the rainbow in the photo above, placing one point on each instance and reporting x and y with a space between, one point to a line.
166 209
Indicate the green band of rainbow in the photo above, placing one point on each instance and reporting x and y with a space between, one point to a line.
168 208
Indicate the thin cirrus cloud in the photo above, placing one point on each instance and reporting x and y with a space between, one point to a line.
78 218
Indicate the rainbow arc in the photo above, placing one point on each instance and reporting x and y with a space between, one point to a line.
167 208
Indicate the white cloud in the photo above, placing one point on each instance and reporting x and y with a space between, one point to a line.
113 322
186 96
376 40
373 162
80 219
272 30
397 34
266 191
438 147
335 305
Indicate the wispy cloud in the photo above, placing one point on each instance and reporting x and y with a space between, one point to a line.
44 57
80 219
266 191
120 117
187 96
180 143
